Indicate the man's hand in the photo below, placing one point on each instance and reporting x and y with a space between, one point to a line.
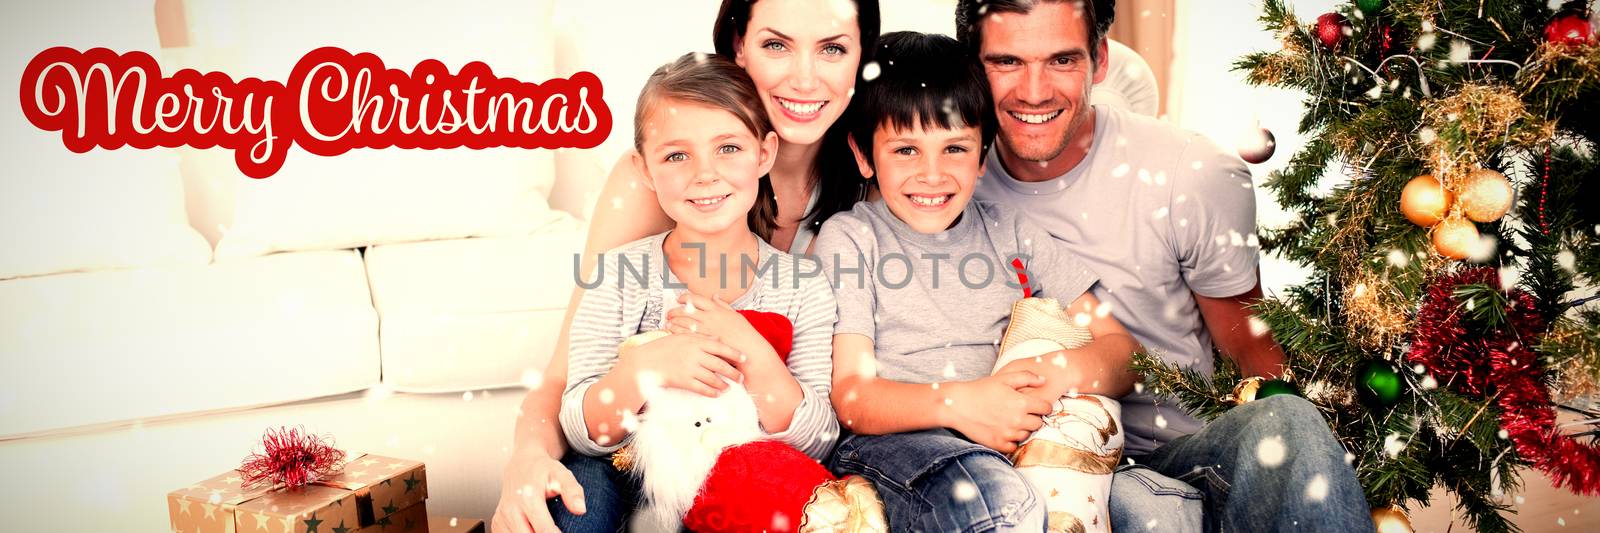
529 480
992 412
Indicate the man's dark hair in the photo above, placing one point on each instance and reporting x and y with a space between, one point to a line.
919 84
1097 15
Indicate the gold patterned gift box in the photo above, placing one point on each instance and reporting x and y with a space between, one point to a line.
415 519
367 490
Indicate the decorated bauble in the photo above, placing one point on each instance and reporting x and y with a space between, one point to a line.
1370 6
1257 147
1485 195
1391 519
1455 238
1569 29
1274 387
1425 201
1378 384
1332 29
1245 391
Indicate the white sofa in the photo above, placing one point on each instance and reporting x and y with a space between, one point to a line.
158 310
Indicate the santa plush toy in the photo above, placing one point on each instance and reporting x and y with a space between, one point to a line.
705 463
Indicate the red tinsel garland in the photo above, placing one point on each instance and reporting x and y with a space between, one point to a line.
291 458
1502 363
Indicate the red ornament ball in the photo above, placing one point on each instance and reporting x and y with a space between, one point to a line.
1258 147
1569 30
1333 29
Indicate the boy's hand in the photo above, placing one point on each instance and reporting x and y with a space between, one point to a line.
712 316
693 362
993 412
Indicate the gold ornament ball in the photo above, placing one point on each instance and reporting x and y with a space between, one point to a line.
1245 391
1391 519
1485 195
1425 201
1455 238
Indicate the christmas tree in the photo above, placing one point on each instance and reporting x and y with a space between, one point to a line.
1443 205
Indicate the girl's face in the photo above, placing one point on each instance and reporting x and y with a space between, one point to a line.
803 60
704 165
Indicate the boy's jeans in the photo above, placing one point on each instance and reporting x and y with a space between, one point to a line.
934 480
1269 465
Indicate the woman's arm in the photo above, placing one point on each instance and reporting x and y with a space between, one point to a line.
625 211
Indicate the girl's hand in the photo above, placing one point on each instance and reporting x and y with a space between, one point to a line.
712 316
690 361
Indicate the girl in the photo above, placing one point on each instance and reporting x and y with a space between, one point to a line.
703 146
798 55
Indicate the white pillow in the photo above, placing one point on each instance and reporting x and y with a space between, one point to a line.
66 212
366 197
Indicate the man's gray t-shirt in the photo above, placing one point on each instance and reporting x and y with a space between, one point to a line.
935 305
1157 212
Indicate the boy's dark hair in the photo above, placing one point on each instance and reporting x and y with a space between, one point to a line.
1097 15
838 180
922 81
719 83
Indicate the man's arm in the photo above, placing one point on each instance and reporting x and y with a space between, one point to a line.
1229 321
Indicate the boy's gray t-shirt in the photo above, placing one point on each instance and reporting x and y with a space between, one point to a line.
935 305
1160 214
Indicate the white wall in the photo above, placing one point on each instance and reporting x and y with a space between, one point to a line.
1209 97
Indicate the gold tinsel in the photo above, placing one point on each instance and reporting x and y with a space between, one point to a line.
1578 374
1475 122
1564 67
1375 312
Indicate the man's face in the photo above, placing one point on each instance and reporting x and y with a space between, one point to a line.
1040 75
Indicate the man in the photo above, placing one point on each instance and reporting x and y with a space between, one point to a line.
1167 219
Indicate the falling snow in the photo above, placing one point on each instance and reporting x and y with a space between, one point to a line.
1393 445
1270 451
1317 489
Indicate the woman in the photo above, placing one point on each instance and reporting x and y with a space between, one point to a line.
805 58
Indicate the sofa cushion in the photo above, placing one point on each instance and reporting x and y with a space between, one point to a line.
67 212
471 313
107 346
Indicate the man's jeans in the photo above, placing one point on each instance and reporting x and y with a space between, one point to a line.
1268 465
934 480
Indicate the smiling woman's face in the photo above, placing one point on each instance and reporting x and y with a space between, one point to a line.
803 56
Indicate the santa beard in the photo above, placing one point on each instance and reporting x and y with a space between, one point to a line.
675 446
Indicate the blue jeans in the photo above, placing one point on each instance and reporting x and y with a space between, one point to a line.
609 496
1268 465
934 480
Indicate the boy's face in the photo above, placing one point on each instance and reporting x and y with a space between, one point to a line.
926 176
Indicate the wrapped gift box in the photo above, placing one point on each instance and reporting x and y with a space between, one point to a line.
415 519
369 489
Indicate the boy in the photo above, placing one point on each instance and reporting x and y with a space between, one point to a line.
916 339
